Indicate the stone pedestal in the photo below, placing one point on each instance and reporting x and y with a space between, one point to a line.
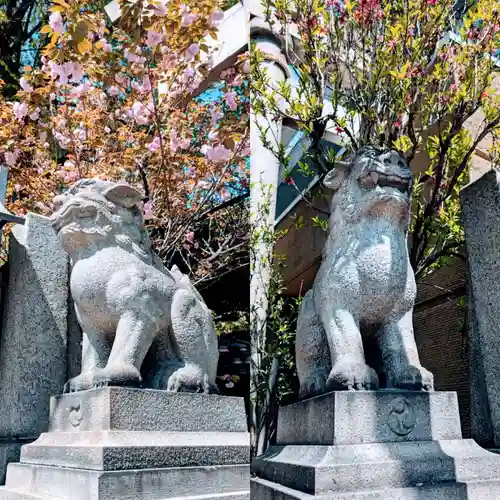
375 445
121 443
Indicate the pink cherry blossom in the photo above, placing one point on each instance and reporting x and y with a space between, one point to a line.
188 18
80 90
20 110
144 87
230 97
154 145
25 85
217 153
193 49
113 91
35 114
107 130
56 22
216 17
80 134
140 113
147 210
154 38
106 46
11 157
216 116
160 7
184 143
190 237
75 70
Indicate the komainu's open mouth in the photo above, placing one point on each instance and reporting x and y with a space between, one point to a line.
375 178
394 182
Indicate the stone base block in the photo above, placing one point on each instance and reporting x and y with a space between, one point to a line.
151 484
380 445
355 417
133 444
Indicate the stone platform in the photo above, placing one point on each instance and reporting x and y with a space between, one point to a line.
375 445
122 443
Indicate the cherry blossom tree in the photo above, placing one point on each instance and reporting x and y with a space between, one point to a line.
120 102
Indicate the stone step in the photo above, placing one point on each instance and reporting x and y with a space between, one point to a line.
9 494
475 490
128 409
325 469
124 450
59 483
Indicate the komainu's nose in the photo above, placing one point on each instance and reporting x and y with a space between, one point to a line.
393 158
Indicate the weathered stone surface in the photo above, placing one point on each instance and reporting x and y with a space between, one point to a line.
480 490
351 417
380 445
319 470
125 408
9 452
480 203
138 444
33 346
218 482
142 324
124 450
365 279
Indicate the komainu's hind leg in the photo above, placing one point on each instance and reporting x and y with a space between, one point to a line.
312 354
195 342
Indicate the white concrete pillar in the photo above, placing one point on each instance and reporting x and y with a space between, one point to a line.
264 172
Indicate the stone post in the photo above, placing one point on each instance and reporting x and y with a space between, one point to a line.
480 203
33 345
264 172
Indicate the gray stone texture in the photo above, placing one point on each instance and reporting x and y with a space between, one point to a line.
123 408
123 443
142 325
480 203
33 345
365 282
371 446
349 417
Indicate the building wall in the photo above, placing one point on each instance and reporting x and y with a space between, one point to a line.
440 331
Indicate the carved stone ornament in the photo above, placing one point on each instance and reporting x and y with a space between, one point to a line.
365 284
402 418
143 325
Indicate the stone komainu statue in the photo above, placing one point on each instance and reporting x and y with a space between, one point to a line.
142 324
365 288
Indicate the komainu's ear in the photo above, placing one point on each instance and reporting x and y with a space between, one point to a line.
123 194
335 177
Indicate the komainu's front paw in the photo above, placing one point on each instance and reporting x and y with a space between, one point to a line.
126 375
412 378
189 378
82 382
314 384
348 374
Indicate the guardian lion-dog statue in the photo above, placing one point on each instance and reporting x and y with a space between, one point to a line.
143 325
365 285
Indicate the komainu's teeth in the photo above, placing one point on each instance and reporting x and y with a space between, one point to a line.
374 177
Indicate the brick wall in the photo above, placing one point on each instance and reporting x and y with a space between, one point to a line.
440 333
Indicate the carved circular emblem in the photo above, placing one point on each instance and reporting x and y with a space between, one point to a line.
75 414
402 418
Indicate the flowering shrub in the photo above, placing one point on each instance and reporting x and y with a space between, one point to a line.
119 102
